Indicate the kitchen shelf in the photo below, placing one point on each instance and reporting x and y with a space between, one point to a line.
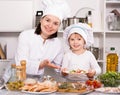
100 61
94 31
113 2
111 37
113 32
10 31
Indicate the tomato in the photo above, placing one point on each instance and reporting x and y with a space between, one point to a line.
89 82
98 84
94 83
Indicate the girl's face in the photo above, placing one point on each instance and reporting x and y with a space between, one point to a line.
76 42
49 25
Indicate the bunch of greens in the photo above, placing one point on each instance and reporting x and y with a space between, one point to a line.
110 79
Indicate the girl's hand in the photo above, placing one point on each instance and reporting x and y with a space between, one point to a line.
91 73
63 71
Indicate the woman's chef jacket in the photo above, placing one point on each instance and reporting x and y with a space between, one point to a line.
32 49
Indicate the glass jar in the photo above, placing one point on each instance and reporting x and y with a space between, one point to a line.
13 76
111 21
19 73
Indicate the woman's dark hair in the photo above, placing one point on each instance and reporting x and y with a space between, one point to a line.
38 32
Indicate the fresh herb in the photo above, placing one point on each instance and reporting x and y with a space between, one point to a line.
110 79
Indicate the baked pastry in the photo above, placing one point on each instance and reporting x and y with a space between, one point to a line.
30 81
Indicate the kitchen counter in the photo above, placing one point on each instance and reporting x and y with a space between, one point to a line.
6 92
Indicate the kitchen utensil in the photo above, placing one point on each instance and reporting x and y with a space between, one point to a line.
73 20
38 16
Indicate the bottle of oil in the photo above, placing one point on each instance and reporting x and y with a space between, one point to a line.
112 60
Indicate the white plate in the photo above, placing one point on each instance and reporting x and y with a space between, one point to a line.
37 92
76 93
108 90
77 76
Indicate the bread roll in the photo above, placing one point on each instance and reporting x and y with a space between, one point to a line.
30 81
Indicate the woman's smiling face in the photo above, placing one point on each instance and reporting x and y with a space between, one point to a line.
49 25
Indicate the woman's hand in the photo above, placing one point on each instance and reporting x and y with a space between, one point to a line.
91 73
46 62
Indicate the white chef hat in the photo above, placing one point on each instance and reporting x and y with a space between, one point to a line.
58 8
81 28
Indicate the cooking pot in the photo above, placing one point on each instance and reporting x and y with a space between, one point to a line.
72 20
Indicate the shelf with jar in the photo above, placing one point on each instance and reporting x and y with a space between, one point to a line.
112 15
111 27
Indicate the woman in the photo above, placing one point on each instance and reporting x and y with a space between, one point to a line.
41 47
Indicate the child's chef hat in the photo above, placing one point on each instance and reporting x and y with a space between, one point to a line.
81 28
58 8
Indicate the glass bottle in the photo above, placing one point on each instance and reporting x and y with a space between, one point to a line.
23 64
89 18
112 60
13 76
15 82
19 73
111 21
119 62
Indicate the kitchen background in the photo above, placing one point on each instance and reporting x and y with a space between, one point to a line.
19 15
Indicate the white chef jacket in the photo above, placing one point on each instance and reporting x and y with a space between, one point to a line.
83 61
32 49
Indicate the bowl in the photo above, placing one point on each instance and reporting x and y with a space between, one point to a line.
14 86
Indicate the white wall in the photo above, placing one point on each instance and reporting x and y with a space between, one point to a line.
76 5
16 15
10 39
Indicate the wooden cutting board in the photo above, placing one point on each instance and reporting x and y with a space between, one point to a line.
2 55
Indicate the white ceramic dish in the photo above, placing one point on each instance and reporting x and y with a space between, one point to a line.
72 93
77 76
109 90
39 93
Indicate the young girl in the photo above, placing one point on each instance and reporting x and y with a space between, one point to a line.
78 37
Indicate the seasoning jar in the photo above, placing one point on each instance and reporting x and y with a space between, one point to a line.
111 21
19 73
23 64
13 76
